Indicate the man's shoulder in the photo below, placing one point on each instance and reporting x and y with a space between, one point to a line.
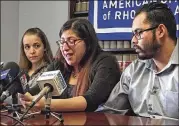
138 64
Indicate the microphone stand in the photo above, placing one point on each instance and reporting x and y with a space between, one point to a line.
47 110
14 108
48 98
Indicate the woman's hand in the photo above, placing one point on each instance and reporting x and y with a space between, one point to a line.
26 100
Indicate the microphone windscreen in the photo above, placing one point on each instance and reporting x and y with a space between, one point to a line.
14 68
55 79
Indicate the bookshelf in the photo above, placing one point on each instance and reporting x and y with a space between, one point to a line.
123 50
81 14
76 9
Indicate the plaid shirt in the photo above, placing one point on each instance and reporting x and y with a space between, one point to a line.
34 88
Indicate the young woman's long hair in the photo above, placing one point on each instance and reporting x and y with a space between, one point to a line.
84 30
24 63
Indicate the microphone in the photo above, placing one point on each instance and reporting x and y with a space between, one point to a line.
1 66
19 85
3 76
51 81
8 74
55 79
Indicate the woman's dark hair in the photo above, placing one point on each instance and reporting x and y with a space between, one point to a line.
159 13
24 63
84 30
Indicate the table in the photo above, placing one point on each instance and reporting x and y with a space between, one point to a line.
90 118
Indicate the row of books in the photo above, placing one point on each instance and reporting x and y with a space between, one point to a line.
125 59
115 44
82 5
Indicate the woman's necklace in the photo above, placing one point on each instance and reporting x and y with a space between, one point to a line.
74 75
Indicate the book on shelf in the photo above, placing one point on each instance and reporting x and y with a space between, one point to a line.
78 6
127 44
106 44
113 44
125 59
120 44
82 5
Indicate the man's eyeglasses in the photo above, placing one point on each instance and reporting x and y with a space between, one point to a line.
69 42
138 33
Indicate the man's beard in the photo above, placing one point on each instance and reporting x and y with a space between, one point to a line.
149 49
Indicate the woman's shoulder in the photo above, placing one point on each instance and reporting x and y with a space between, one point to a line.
105 56
105 59
42 67
55 65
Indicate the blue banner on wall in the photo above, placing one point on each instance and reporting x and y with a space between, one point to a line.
112 19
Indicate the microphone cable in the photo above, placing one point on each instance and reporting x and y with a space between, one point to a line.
18 121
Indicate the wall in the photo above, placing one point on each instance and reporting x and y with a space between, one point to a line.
9 30
47 15
18 16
